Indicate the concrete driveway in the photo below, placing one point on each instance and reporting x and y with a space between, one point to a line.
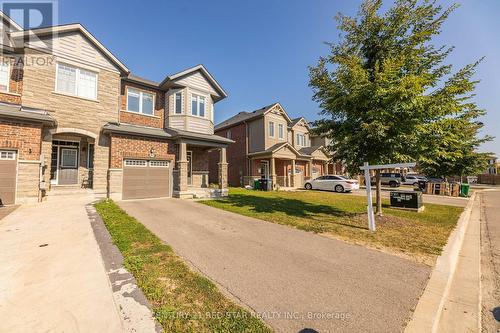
294 279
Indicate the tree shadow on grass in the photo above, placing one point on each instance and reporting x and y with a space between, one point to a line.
292 207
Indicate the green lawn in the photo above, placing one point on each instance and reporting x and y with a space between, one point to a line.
182 300
344 216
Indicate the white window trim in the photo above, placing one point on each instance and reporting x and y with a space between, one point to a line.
9 67
75 94
159 164
62 158
7 158
282 127
175 102
135 163
269 129
141 92
198 98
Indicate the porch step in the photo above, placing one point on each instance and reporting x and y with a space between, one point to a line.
57 191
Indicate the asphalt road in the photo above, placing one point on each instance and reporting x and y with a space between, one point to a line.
294 279
490 260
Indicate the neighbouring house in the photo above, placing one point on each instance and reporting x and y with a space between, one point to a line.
72 115
492 168
268 143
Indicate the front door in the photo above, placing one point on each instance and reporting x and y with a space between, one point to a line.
68 166
264 169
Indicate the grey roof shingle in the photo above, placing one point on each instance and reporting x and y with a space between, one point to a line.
136 130
23 113
242 116
176 133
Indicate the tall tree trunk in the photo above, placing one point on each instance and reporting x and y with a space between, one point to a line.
379 196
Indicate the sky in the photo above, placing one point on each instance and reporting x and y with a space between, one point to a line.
259 51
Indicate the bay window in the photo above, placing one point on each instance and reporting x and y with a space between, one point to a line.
140 101
178 103
76 81
197 105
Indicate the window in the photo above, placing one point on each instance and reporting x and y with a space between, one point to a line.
76 81
301 140
280 131
271 129
159 164
178 103
198 105
136 163
7 155
228 134
139 101
69 158
4 74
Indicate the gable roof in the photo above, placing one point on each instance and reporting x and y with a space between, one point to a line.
172 79
295 121
245 115
11 22
71 28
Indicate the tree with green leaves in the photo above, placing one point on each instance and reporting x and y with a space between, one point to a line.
387 95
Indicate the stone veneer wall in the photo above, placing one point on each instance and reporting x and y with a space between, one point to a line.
74 114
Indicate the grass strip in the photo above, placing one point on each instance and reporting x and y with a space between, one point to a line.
182 300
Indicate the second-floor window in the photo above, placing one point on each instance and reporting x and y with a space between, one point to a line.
271 129
76 81
301 140
139 101
4 74
197 105
228 134
178 103
281 131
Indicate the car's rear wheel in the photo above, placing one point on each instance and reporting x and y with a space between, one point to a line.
339 188
308 186
393 184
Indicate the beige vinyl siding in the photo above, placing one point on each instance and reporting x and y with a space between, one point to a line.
198 82
75 46
256 135
276 119
200 125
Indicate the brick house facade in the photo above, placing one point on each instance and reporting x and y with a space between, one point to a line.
268 143
102 133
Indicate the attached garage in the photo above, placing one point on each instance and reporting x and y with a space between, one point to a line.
146 179
8 176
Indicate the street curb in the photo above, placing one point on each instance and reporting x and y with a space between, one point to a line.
430 305
133 306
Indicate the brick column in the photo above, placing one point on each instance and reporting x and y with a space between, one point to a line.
222 169
292 175
182 166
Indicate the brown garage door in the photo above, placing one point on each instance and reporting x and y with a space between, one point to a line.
8 167
146 179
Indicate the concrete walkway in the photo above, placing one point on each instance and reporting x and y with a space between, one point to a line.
295 280
490 260
52 277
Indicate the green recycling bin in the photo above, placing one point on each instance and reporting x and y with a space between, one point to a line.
464 190
256 184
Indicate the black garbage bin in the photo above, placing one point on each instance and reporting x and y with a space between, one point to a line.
422 184
266 184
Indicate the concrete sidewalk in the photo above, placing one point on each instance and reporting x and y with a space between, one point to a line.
52 278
